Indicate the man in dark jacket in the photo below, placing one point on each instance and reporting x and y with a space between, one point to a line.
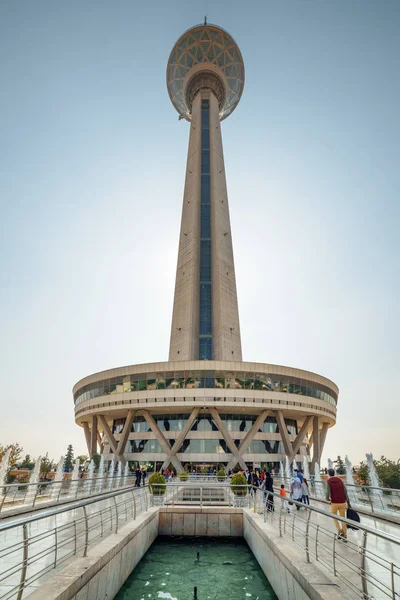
138 474
336 493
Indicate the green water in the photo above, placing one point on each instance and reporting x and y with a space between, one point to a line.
226 570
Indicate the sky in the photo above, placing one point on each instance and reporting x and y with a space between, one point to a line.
92 165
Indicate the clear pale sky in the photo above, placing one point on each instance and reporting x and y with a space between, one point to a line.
91 182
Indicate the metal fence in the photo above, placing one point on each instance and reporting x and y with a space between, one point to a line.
379 500
28 495
31 547
367 563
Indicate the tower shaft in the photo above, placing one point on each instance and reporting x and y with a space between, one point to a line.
205 320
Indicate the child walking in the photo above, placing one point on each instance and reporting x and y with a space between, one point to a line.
305 492
282 493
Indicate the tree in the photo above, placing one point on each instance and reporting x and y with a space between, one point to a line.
27 462
82 458
69 458
96 458
340 468
15 454
46 465
388 472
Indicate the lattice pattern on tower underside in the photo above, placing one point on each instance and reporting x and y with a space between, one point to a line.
206 45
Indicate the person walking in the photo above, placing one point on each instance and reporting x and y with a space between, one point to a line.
268 484
336 494
144 475
282 493
295 489
138 476
305 492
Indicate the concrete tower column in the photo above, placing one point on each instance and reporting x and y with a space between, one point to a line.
184 342
205 198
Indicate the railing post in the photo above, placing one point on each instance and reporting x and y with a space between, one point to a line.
55 542
134 505
392 581
116 514
294 518
75 536
86 531
363 566
59 492
307 536
316 542
36 494
24 563
369 500
334 554
280 523
201 496
4 497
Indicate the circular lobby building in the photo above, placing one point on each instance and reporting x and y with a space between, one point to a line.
205 414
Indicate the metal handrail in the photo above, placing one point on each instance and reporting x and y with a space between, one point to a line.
68 480
377 532
35 552
26 495
359 486
106 512
51 512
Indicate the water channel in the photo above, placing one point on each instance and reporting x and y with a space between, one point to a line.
219 568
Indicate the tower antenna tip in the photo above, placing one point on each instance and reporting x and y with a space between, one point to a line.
205 20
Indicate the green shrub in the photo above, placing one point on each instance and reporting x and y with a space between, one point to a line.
221 475
183 476
239 480
157 490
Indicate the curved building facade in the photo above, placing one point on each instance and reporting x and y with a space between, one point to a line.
192 414
205 407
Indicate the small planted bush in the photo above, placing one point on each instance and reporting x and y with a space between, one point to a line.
159 489
239 485
183 476
221 475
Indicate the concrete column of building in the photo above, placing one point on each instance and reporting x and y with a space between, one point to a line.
322 438
184 342
236 458
316 445
125 432
284 433
163 442
88 437
93 441
181 437
225 312
246 441
301 435
111 439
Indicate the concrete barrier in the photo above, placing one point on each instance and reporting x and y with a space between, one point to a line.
107 566
198 521
291 577
102 573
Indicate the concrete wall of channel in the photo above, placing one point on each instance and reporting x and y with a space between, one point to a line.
291 577
197 521
102 573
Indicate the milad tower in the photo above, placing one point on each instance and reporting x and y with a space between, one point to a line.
205 408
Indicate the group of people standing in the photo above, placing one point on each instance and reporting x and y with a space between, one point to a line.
141 475
298 488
